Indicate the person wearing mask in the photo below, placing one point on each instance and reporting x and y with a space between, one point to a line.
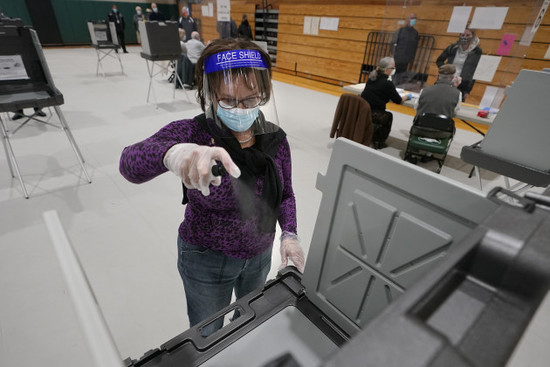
442 98
187 23
118 19
464 55
225 240
138 17
378 91
405 41
244 30
155 14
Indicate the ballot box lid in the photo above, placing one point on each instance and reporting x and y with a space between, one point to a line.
382 224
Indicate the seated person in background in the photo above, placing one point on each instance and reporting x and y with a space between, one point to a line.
193 50
442 98
465 55
378 91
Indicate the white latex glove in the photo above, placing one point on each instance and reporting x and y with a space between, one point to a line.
193 164
291 250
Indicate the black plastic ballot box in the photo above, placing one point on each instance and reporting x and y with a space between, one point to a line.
386 231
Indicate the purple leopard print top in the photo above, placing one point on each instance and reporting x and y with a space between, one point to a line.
212 221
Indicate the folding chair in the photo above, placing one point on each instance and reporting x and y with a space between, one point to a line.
430 138
26 82
105 43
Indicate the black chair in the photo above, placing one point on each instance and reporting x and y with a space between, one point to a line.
430 138
28 84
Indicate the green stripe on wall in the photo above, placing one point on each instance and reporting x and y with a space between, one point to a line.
72 16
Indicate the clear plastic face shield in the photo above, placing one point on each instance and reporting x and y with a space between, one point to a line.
238 94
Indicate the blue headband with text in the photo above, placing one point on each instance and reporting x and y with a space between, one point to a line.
234 59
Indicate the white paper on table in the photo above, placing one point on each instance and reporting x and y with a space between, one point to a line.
487 67
311 25
459 19
224 11
12 68
490 17
329 23
488 97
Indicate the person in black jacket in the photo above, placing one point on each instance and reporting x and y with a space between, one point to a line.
244 31
465 55
155 14
187 23
405 41
379 91
116 17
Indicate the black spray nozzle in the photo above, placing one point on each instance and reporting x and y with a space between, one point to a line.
218 170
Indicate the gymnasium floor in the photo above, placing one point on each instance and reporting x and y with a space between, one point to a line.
125 234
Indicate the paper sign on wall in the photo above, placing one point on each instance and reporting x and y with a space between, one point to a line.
491 17
506 44
311 25
459 19
538 20
487 67
329 24
547 54
224 11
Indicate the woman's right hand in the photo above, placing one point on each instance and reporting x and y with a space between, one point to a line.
193 164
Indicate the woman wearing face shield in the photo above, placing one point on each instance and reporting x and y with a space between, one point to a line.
225 240
465 55
378 91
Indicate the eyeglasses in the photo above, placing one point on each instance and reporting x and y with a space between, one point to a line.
249 102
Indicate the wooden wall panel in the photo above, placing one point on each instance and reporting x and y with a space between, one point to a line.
336 56
208 24
326 54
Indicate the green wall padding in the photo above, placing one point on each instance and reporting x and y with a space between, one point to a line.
15 9
72 16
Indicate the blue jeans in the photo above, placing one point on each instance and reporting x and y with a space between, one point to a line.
209 278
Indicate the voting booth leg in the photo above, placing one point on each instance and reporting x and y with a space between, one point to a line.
177 80
101 54
150 72
65 128
12 162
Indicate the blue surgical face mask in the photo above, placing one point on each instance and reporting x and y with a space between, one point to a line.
115 10
238 119
139 12
155 10
412 22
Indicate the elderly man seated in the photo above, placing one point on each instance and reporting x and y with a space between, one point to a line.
442 98
186 67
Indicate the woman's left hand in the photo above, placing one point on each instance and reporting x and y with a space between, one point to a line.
291 250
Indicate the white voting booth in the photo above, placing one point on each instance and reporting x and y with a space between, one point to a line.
26 82
516 145
161 47
105 42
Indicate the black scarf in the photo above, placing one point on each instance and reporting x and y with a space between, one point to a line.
253 161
